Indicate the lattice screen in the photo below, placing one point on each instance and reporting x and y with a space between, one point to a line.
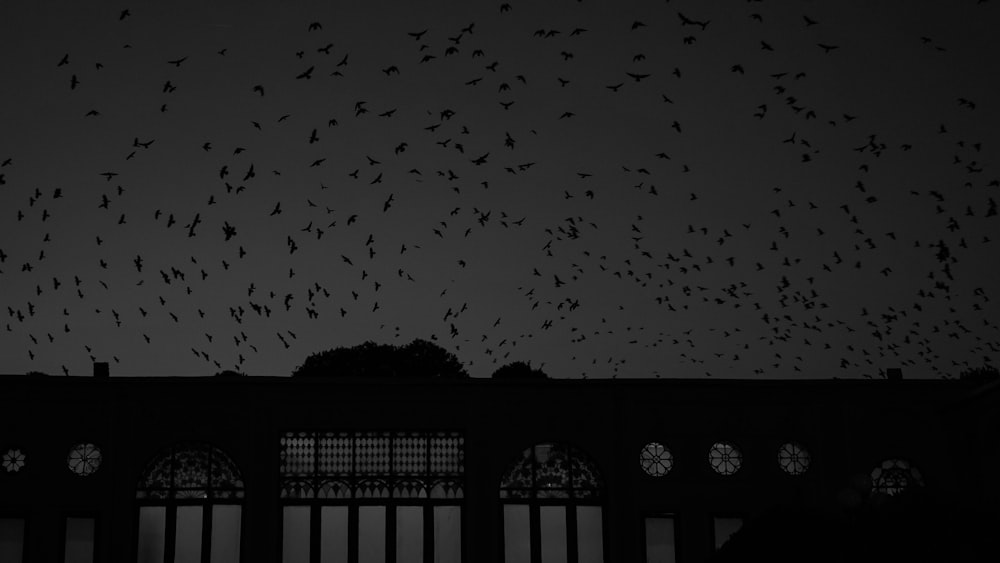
372 464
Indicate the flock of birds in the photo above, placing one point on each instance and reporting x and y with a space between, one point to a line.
525 185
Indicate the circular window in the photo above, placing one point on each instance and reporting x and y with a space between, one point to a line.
656 460
13 460
793 458
725 458
84 459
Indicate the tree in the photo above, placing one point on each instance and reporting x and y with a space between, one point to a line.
229 373
980 374
419 358
518 370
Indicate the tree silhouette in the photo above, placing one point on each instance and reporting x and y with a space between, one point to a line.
518 370
980 374
419 358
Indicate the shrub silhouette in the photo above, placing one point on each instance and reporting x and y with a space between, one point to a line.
518 370
419 358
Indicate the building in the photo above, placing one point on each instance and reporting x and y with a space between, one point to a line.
308 470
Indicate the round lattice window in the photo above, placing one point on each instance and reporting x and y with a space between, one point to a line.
84 459
725 458
13 460
656 460
793 458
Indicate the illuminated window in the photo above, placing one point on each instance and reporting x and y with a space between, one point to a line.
725 458
84 459
895 476
793 458
13 461
553 497
401 493
656 460
190 498
12 539
78 546
659 534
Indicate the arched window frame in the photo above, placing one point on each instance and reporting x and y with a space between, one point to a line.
894 476
520 485
160 486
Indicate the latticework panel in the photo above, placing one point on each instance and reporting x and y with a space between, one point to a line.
413 465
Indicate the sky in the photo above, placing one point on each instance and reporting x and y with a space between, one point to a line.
670 189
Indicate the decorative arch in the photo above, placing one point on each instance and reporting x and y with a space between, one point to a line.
893 476
191 470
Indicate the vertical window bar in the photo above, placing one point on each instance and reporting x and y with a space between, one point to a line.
168 544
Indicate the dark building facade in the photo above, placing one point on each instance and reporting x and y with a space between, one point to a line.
315 470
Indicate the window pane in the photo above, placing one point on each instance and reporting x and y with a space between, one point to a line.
552 520
725 527
152 527
371 534
409 534
295 540
447 534
589 534
226 533
187 549
79 540
516 534
333 548
660 540
11 539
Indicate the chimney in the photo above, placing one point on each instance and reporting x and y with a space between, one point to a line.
101 370
894 374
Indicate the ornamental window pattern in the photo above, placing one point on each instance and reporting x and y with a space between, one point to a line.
793 458
190 504
656 460
553 497
894 476
84 459
372 465
13 460
362 496
725 458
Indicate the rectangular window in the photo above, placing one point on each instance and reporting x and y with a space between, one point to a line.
333 522
152 532
409 534
295 534
516 534
12 539
447 534
187 547
371 534
226 521
589 534
724 528
660 546
79 546
552 524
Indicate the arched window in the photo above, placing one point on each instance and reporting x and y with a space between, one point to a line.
364 497
553 498
190 501
894 476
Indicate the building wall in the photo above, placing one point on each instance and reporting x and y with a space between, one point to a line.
848 427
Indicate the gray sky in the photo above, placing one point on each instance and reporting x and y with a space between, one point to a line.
791 226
